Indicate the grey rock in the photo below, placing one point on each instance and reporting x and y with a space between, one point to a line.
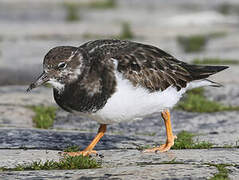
129 163
10 157
228 95
163 172
17 96
116 158
118 149
234 172
23 76
16 116
45 139
219 128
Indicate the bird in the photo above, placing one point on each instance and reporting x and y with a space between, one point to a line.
113 81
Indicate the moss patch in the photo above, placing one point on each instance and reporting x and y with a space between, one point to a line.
102 4
185 141
228 8
195 101
73 8
126 32
222 172
215 61
72 11
44 116
73 148
78 162
197 43
194 43
224 8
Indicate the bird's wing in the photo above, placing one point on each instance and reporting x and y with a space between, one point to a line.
152 68
145 65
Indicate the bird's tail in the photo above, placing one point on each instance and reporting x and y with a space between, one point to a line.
202 72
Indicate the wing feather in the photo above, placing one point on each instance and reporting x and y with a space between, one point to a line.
150 67
146 65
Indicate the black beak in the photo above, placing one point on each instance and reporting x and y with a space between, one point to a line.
43 78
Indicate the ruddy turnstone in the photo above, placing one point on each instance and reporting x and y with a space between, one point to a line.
112 81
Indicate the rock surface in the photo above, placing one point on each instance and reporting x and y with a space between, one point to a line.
15 116
177 171
30 28
126 164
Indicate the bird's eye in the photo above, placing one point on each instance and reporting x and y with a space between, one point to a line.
62 65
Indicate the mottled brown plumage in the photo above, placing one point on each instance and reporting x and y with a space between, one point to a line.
148 66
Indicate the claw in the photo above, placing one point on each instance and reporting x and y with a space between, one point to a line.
163 148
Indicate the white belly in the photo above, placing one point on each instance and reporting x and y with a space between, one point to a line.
131 103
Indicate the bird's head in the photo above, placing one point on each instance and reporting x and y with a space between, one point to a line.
61 65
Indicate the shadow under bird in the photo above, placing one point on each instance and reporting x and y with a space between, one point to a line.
113 81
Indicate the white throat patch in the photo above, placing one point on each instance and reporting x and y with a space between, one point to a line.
57 85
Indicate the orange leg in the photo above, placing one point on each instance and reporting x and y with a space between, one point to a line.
89 149
170 137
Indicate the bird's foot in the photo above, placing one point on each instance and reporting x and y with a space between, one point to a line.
163 148
80 153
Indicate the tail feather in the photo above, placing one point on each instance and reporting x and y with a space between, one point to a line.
214 84
202 72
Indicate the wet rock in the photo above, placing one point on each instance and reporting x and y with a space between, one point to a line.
52 139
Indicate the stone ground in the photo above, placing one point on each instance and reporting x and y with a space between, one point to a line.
21 143
26 34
